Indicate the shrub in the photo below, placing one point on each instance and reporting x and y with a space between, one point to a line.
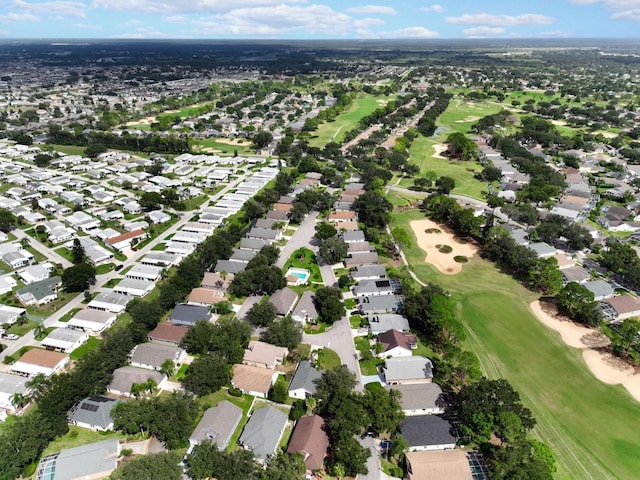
433 230
234 392
460 259
445 249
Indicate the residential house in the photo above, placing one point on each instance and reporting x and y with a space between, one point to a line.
216 281
303 383
161 259
9 386
263 431
39 293
542 249
420 398
415 369
265 355
575 274
7 284
600 289
429 432
229 267
124 241
189 315
91 320
205 297
354 236
217 425
109 301
397 344
361 259
93 413
284 300
380 304
158 216
384 322
368 272
310 439
37 360
147 273
256 381
18 258
370 288
94 460
35 273
136 288
168 333
449 464
64 340
252 244
305 310
153 355
124 377
620 308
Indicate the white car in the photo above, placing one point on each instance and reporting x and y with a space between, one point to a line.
12 336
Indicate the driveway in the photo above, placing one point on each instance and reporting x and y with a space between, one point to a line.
339 339
373 462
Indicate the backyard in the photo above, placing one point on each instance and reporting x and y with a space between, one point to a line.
590 426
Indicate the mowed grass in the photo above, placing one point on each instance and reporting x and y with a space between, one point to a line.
334 131
590 426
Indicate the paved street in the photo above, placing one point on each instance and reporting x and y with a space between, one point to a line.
303 234
339 339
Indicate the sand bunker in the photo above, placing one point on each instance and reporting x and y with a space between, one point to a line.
444 262
572 334
233 141
439 148
604 366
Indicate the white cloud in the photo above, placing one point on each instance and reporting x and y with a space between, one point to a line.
270 21
367 22
483 31
64 8
500 20
129 23
622 9
187 6
178 19
144 32
633 15
433 8
86 26
18 17
372 10
409 32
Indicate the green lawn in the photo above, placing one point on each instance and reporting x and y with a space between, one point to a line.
590 426
65 253
334 131
82 350
69 149
328 359
104 268
304 258
77 436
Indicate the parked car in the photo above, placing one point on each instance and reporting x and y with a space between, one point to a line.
12 336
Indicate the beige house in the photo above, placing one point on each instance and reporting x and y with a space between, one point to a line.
264 355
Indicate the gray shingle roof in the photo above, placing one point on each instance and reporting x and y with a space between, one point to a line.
80 462
420 396
428 430
262 432
283 300
217 424
189 314
305 378
408 368
94 411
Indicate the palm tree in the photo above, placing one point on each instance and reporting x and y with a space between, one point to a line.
19 400
38 384
135 389
39 330
151 385
168 367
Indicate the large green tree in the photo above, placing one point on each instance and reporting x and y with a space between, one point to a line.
78 277
207 374
374 210
207 461
284 332
158 466
328 303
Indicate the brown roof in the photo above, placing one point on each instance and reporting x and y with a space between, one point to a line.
168 332
126 236
282 207
277 215
346 197
208 296
215 280
624 303
43 358
310 439
342 215
574 199
254 379
347 226
433 465
394 338
309 182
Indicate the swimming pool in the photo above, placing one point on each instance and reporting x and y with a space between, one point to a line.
297 276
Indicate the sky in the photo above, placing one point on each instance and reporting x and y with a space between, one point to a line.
319 19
